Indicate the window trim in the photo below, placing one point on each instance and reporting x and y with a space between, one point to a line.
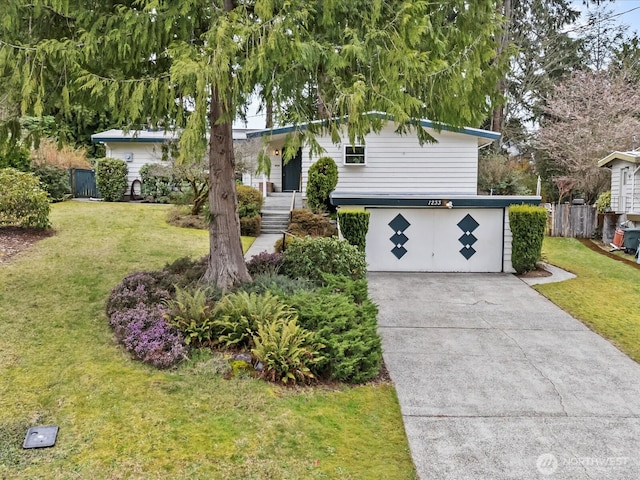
345 155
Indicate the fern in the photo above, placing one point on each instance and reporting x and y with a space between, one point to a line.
190 312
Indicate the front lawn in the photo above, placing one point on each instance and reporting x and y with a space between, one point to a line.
605 295
119 418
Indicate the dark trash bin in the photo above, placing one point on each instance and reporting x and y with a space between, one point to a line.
631 240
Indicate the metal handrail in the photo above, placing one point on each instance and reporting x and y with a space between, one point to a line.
293 205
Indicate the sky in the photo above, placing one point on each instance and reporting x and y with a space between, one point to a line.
624 11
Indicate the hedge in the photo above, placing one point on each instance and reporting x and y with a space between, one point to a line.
354 225
111 179
528 224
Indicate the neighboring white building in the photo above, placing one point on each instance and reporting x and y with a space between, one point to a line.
426 214
138 148
625 184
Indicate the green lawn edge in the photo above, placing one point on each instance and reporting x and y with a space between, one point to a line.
605 295
121 419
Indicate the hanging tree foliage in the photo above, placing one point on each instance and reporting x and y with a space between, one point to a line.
195 65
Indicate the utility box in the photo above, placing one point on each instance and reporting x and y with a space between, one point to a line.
631 240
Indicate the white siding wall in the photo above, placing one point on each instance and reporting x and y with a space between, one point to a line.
507 266
143 153
397 163
618 204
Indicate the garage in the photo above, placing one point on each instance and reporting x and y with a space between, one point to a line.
418 233
429 240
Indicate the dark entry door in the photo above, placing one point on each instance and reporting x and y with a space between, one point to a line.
291 173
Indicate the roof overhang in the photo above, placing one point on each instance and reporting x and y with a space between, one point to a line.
484 137
147 136
631 157
438 201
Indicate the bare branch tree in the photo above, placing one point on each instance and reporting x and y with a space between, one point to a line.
588 116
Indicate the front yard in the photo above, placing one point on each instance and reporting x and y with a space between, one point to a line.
121 419
605 295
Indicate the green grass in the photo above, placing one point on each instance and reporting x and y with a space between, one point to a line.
121 419
605 295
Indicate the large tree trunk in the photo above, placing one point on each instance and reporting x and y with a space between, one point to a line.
226 261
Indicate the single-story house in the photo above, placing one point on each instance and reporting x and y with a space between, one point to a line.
625 184
140 147
426 214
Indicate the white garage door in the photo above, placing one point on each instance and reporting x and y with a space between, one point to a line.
434 240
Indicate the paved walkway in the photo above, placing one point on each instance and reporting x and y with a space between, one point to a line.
263 243
494 381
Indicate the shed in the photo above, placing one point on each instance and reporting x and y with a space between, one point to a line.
625 183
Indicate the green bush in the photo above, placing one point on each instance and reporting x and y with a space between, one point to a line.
15 156
237 316
281 245
603 204
250 201
190 312
271 282
527 228
54 180
354 225
157 182
352 347
323 178
304 222
311 257
250 226
22 202
111 179
286 351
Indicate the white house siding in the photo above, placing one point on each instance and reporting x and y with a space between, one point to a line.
624 198
397 163
507 266
142 153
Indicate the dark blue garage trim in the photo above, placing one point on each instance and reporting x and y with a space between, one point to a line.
431 201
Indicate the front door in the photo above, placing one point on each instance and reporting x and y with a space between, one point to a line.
291 173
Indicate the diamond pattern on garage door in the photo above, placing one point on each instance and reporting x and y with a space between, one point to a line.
399 224
468 224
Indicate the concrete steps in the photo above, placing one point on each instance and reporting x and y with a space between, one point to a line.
275 211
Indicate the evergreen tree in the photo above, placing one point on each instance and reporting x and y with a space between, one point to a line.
195 63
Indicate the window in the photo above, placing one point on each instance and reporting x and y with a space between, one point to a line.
354 155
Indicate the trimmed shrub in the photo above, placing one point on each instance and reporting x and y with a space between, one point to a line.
265 262
249 201
357 290
527 224
140 288
286 351
111 179
352 347
323 178
54 180
354 225
311 257
157 182
277 284
250 226
190 312
304 222
22 202
147 336
237 316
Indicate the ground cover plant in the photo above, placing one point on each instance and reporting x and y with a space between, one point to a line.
124 419
605 294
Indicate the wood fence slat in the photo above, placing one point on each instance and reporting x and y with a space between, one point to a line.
575 221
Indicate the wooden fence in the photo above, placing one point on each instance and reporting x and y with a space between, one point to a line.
576 221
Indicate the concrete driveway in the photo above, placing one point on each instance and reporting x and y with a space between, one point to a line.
495 381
